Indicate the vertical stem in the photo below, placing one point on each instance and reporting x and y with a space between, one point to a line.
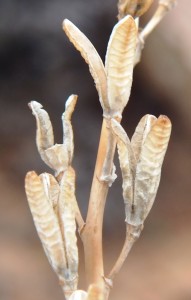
92 233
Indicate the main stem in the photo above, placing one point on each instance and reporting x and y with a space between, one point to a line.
92 233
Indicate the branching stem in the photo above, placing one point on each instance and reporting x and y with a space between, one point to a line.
92 233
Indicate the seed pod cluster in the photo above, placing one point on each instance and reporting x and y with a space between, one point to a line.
113 82
52 201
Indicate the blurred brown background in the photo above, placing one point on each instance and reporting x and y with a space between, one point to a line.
37 62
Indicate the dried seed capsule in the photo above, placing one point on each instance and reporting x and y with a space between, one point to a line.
119 64
92 58
66 213
135 8
44 135
148 168
46 222
68 139
127 165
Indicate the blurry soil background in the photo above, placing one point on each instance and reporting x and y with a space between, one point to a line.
38 62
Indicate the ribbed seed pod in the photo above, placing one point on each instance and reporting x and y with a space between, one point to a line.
135 8
66 213
46 222
141 131
92 58
44 134
119 64
148 168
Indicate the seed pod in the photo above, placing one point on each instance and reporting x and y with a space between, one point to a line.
148 168
44 135
92 58
119 64
127 165
141 131
66 213
46 222
135 8
68 139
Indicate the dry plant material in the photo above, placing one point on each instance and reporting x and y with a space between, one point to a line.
52 198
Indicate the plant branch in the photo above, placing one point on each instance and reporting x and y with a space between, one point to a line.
92 233
132 234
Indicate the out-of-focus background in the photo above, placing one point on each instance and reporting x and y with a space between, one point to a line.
38 62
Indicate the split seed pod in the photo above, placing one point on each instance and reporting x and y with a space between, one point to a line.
53 210
58 156
141 163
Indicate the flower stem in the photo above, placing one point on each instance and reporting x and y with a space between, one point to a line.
92 233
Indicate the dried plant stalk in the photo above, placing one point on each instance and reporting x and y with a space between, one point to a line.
52 199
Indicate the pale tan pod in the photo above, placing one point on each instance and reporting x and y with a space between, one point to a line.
140 133
119 64
44 135
46 222
135 8
66 213
92 58
127 165
68 138
148 169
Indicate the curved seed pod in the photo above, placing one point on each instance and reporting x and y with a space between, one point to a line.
67 126
119 63
95 292
148 169
46 222
92 58
135 8
140 134
44 135
127 165
57 155
66 213
78 295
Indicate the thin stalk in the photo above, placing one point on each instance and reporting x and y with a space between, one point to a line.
92 233
132 234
